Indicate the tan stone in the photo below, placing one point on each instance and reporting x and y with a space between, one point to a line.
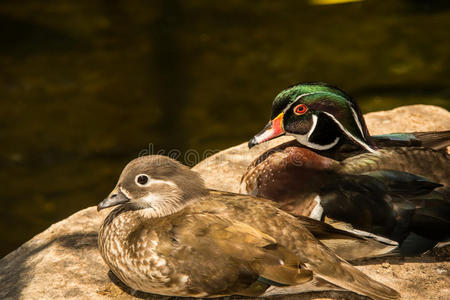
408 118
63 262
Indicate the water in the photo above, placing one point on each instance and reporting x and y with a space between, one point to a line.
85 86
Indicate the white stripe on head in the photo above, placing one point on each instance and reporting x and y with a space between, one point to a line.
304 138
153 181
355 116
313 127
359 141
159 181
299 97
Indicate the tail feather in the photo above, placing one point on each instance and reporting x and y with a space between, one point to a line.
349 243
327 265
436 139
352 279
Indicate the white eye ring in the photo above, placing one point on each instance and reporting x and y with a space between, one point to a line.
142 180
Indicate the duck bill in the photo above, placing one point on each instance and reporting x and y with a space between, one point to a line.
272 130
115 198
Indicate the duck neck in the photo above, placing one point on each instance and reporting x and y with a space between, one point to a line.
115 230
162 208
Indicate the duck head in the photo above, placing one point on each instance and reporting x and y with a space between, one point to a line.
318 116
156 183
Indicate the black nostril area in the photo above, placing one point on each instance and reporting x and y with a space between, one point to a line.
114 196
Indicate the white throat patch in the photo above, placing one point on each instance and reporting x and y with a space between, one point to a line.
160 205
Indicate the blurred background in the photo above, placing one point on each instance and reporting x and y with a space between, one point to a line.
85 86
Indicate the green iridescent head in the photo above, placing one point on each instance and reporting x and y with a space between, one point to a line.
318 115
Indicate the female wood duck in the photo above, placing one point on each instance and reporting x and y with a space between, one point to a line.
363 190
169 235
326 120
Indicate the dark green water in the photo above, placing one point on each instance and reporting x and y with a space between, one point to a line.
85 86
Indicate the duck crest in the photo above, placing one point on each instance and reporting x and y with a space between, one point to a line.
334 116
319 116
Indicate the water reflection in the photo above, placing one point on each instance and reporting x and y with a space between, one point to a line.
86 85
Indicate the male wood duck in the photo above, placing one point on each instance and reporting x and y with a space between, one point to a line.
328 121
169 235
369 191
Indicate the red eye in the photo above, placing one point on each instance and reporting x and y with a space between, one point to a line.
300 109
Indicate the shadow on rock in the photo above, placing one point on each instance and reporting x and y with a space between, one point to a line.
16 268
439 254
304 296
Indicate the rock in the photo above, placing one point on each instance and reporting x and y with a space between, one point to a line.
63 262
408 118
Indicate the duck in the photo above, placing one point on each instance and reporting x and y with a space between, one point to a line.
169 235
379 193
329 129
328 121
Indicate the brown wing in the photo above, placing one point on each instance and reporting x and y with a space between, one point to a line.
232 257
294 236
346 243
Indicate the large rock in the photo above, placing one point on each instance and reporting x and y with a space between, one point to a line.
63 262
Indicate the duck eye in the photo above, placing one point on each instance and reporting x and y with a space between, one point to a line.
300 109
142 179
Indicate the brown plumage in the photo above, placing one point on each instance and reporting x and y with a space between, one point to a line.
171 236
376 192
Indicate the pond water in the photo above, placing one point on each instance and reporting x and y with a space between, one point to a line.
85 86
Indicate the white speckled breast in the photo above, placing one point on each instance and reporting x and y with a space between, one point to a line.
137 262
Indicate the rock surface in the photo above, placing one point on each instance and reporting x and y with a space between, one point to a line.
63 262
